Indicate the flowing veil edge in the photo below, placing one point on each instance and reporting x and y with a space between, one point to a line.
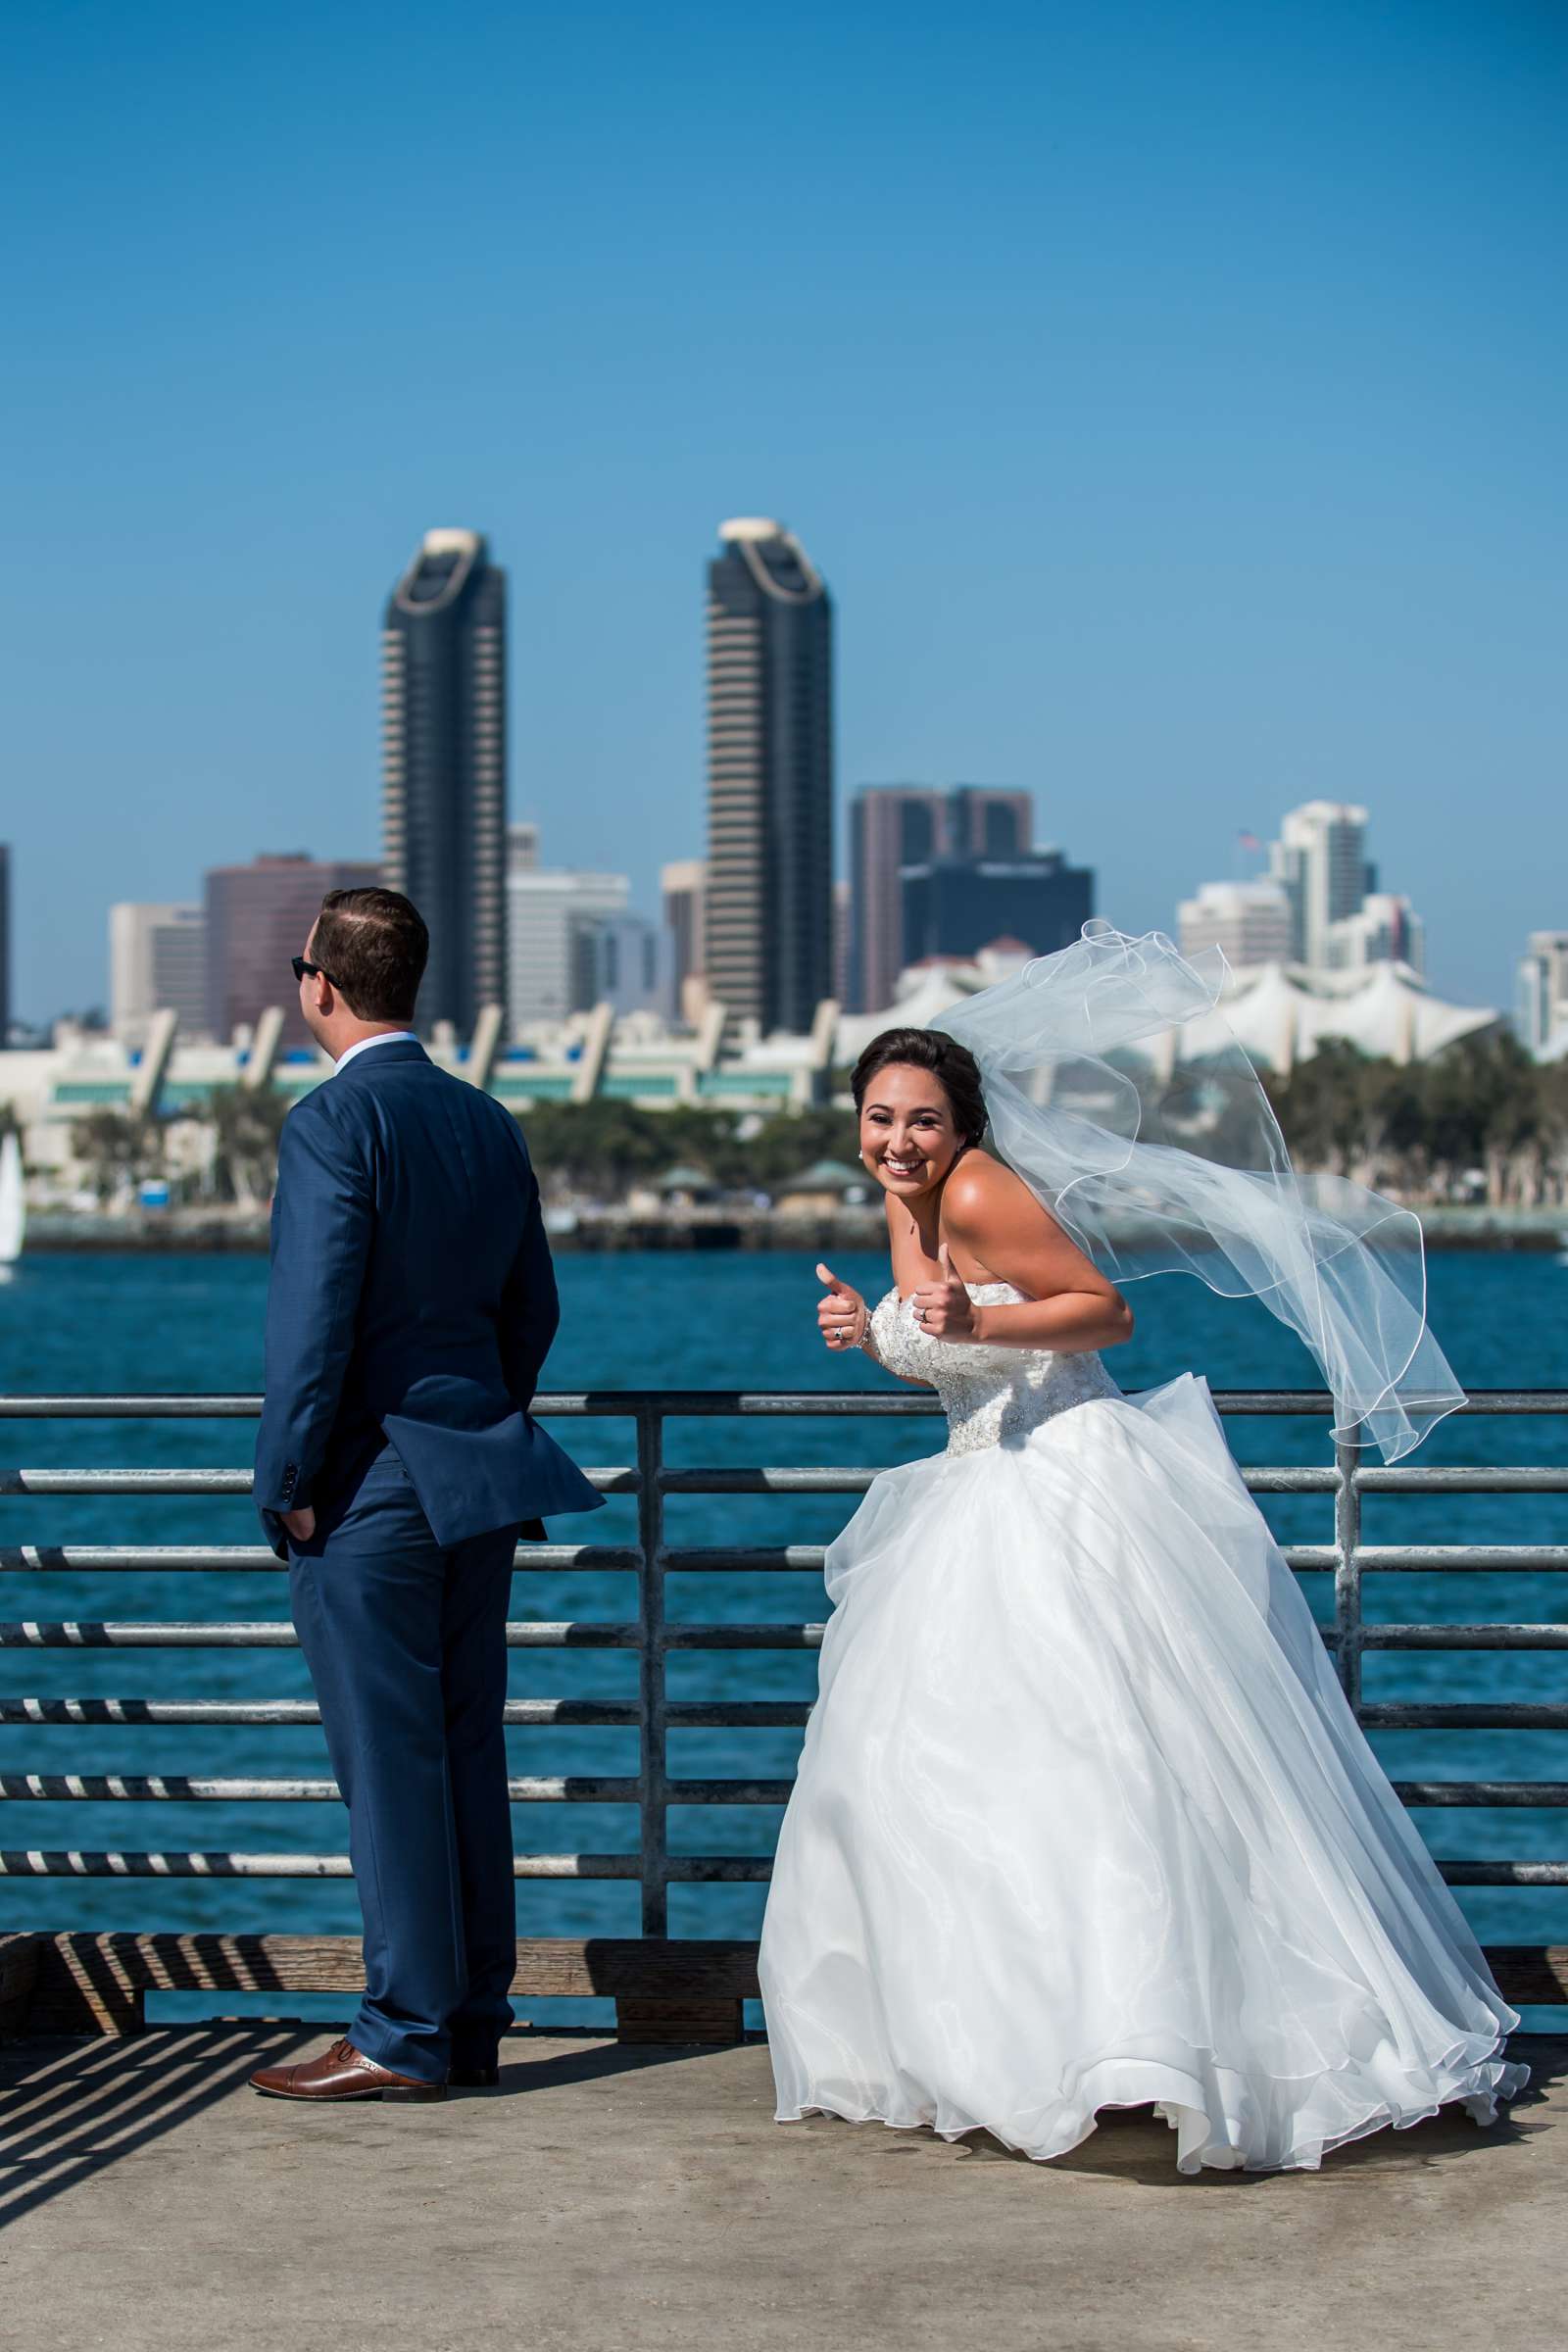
1096 1109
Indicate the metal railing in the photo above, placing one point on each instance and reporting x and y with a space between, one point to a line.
654 1636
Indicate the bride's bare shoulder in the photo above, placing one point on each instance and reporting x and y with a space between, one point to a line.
984 1196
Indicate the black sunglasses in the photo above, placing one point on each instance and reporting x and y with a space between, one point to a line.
302 966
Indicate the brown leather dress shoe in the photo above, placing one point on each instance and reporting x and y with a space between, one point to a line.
341 2073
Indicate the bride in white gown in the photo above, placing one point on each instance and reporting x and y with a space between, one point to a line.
1083 1819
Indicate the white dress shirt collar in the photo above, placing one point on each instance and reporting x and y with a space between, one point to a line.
386 1036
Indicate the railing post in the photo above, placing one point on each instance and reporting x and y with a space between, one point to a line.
1347 1566
651 1761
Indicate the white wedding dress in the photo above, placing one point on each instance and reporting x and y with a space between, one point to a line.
1083 1819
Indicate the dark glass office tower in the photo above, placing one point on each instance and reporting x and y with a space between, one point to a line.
770 903
444 768
956 906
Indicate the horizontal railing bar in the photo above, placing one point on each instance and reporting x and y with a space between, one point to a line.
1504 1873
701 1404
1505 1477
274 1633
287 1712
1464 1636
761 1560
62 1863
743 1636
1512 1715
737 1714
788 1479
685 1869
32 1788
1463 1559
615 1480
255 1559
177 1789
760 1480
1447 1559
577 1634
1482 1792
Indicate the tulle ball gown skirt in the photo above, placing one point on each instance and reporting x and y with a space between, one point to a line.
1083 1821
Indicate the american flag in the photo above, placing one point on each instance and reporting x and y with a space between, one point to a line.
1248 841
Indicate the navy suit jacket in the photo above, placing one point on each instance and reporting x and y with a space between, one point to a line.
411 1303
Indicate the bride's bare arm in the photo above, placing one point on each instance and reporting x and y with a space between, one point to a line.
993 1221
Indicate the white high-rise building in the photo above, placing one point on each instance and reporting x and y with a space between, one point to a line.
1541 999
1252 923
157 962
1385 929
1320 862
547 911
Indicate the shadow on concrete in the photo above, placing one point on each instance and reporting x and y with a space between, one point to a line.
73 2108
70 2108
1135 2144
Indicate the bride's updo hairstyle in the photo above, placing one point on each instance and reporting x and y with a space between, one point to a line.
951 1065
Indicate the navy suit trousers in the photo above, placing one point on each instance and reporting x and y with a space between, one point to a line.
406 1643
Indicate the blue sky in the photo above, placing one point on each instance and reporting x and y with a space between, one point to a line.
1172 395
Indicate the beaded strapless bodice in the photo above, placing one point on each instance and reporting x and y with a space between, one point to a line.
991 1395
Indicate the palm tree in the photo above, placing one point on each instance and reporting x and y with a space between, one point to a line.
119 1149
245 1123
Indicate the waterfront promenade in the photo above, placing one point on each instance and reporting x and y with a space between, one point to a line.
609 2197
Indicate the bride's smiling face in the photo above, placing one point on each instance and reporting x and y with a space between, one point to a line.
909 1136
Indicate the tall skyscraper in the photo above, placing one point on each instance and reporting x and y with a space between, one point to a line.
769 912
1542 1012
958 905
258 916
1320 862
444 768
158 962
5 946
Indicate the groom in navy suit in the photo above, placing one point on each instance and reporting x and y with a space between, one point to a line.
412 1306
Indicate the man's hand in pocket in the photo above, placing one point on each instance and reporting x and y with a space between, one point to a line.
301 1525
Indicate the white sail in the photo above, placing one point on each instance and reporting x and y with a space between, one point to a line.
13 1206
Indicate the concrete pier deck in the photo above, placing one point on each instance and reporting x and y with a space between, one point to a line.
614 2197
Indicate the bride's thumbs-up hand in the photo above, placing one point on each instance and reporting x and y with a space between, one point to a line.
842 1314
945 1308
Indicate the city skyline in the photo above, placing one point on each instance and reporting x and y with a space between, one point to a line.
1178 446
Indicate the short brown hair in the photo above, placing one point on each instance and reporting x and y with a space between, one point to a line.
951 1065
372 944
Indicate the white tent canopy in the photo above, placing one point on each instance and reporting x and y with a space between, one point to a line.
1280 1015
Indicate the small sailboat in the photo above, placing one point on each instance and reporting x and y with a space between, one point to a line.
13 1204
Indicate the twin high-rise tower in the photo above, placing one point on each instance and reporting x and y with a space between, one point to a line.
768 916
444 768
768 895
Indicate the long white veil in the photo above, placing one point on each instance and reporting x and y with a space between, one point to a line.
1157 1166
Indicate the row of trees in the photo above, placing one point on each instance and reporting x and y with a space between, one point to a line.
1481 1122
